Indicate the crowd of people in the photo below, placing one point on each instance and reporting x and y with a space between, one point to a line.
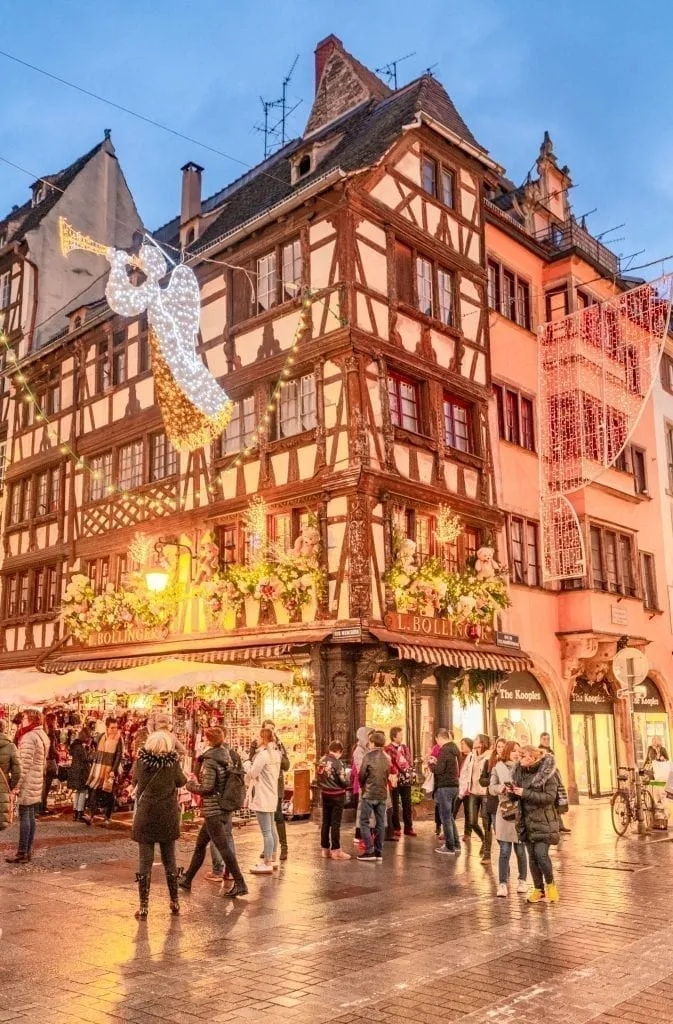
506 790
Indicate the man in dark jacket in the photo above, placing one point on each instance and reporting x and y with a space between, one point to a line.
215 764
445 769
373 777
10 774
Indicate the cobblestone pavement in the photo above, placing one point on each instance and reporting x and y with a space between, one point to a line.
419 938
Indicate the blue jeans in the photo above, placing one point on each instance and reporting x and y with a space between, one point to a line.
504 859
540 864
444 798
378 809
268 829
27 826
79 803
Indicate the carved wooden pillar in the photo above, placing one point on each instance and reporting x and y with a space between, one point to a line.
318 684
444 698
321 442
321 512
359 575
388 507
386 422
358 443
261 404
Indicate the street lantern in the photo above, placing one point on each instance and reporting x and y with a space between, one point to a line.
630 667
156 580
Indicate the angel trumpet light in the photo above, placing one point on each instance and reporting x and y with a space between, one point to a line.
70 239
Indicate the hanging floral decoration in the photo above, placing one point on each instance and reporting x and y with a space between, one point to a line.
449 526
472 595
472 683
292 578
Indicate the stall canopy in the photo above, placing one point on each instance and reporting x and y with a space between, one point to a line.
31 687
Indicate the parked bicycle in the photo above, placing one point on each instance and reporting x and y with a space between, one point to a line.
624 802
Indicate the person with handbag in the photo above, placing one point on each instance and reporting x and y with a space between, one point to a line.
78 772
505 823
402 764
157 776
535 783
10 776
106 762
32 749
220 772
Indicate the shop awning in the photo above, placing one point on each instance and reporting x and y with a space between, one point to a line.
455 653
103 665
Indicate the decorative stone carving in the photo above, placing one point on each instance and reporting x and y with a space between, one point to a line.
359 576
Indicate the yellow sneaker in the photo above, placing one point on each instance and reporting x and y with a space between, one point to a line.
535 896
553 893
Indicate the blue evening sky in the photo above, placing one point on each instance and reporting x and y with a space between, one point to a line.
595 73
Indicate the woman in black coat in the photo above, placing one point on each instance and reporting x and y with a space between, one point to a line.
158 776
78 772
536 785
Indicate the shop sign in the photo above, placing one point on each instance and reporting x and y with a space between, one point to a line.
521 690
508 640
352 633
649 700
427 625
133 635
588 698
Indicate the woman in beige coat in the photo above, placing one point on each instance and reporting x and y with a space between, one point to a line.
33 748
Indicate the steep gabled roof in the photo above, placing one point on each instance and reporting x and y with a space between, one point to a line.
29 216
365 134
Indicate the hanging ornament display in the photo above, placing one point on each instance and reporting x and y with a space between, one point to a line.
194 407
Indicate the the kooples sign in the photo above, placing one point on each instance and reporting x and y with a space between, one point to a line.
133 635
426 625
588 698
650 700
521 690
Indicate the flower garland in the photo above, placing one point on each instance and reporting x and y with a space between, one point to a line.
85 612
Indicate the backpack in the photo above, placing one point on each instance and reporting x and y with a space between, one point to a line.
231 796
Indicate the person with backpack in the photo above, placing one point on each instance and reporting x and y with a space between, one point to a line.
221 787
333 781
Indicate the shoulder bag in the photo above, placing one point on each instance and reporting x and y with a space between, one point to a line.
12 798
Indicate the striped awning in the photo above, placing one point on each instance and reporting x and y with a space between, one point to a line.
461 657
217 657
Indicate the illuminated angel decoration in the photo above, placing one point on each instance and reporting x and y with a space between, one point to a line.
194 407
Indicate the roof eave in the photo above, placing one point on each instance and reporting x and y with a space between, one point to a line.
467 147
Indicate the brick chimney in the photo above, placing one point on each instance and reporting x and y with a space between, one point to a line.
322 54
191 192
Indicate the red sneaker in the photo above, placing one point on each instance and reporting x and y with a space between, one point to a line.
397 832
410 832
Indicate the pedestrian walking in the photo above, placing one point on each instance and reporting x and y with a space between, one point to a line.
465 761
505 823
32 749
477 800
78 772
403 766
332 777
221 788
10 776
51 768
106 762
263 772
445 767
535 782
157 776
374 777
359 751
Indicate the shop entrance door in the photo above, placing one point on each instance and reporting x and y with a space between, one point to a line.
594 754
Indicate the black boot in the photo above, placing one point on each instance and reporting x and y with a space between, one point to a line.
143 895
281 829
172 883
184 880
237 889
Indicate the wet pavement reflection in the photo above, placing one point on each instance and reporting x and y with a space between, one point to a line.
418 938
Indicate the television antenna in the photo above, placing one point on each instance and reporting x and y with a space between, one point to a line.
274 129
389 71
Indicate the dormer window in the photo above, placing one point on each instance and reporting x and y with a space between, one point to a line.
40 192
304 165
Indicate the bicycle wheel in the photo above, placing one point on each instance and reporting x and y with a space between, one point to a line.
621 812
647 804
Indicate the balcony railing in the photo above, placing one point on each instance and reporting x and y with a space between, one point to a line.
572 236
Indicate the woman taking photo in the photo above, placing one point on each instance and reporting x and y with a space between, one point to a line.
536 785
505 828
158 777
262 772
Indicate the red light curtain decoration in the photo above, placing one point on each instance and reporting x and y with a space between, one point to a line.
596 368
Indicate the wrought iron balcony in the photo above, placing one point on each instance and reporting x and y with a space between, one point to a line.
560 240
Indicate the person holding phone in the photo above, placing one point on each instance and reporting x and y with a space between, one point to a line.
535 782
501 787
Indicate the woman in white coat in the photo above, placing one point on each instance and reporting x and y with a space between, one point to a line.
262 774
32 747
505 830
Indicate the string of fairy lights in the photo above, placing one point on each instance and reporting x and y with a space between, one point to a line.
112 490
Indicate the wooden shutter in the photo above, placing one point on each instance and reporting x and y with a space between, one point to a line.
404 273
243 297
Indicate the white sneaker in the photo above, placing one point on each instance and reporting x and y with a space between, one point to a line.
261 869
522 885
502 889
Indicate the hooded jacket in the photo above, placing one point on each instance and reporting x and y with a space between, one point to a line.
263 772
214 765
445 767
33 747
11 768
158 778
537 819
359 755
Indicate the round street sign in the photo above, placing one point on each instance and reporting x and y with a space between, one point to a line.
630 666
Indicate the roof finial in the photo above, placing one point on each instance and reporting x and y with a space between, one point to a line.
107 132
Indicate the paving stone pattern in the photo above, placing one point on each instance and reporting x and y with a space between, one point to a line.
417 939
